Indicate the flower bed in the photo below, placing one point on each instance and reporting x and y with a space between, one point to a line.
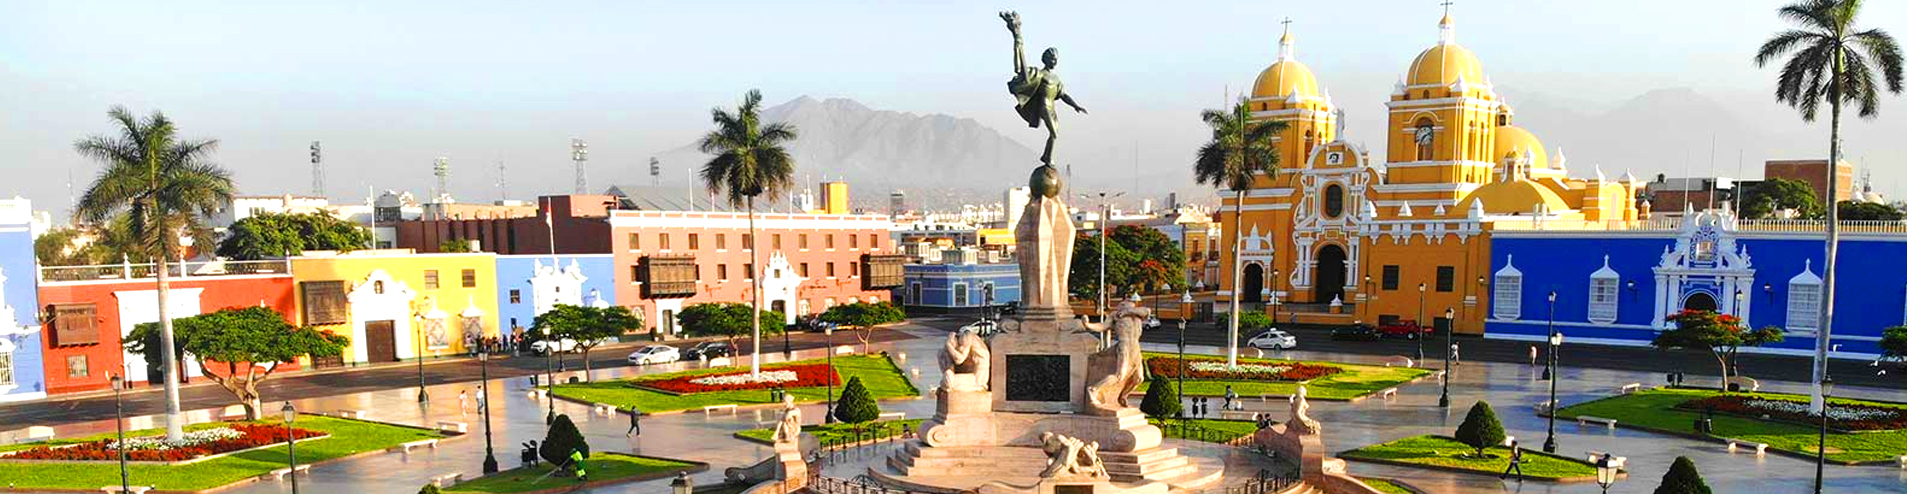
1840 416
1205 368
154 448
793 376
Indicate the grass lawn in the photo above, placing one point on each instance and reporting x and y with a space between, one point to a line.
1655 409
602 467
1355 381
1386 486
827 433
1442 451
347 437
1225 430
877 372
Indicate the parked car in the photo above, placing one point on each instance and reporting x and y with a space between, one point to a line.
1355 332
982 327
808 324
1403 328
655 354
1273 339
1152 322
562 346
709 349
1008 308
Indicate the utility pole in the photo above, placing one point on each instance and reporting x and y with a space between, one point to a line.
442 170
503 191
317 170
579 153
655 172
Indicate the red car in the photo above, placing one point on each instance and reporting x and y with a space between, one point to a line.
1405 328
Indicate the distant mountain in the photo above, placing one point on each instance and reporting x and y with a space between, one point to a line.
1662 131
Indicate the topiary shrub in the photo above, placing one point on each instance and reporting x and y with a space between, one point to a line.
857 405
1480 429
429 489
1162 401
1682 479
563 438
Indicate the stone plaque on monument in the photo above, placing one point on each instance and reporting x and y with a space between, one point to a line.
1034 377
1073 489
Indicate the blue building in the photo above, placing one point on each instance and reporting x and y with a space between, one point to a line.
1620 286
21 375
531 284
958 287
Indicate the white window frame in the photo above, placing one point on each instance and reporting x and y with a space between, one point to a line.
1804 308
1507 292
1604 294
6 367
960 296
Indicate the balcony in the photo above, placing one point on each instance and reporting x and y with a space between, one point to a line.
146 271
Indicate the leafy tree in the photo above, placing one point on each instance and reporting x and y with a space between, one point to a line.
1480 428
272 235
1894 342
1778 194
454 245
1161 401
1137 258
562 438
727 320
71 247
160 186
750 159
1682 479
587 326
429 489
1240 149
243 341
1831 59
1721 334
1851 210
857 405
863 317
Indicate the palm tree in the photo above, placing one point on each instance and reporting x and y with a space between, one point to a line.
159 186
749 161
1835 61
1239 150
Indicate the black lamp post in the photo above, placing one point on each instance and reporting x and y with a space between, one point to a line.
119 423
1418 333
1185 309
1449 347
1275 290
423 397
829 331
1555 340
483 397
549 377
1821 443
291 449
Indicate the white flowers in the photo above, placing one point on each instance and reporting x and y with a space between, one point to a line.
193 438
1211 366
1834 412
780 376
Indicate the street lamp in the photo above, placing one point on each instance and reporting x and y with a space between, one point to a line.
483 398
291 450
682 484
119 423
1555 340
423 397
1271 295
1418 333
1768 289
1449 348
1632 290
1821 443
829 331
549 376
1606 470
1185 309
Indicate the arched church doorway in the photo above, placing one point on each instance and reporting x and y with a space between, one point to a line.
1329 281
1700 301
1253 284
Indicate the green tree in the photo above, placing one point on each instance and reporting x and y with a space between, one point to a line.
1480 428
69 246
1830 58
1894 342
429 489
1137 258
454 245
1721 334
587 326
750 159
1240 149
271 235
863 317
161 186
1682 479
250 344
857 405
562 438
728 320
1161 401
1867 211
1778 194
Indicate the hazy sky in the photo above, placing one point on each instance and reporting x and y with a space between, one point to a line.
389 85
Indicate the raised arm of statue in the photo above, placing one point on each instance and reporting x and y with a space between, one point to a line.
1013 25
1068 98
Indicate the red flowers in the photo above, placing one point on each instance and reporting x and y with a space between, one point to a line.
1842 417
806 376
1285 371
249 436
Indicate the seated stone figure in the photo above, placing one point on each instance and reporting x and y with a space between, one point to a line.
964 362
1071 457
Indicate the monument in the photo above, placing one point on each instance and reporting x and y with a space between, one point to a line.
1040 409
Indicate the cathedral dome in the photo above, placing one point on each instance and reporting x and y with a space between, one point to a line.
1514 196
1513 140
1286 77
1446 62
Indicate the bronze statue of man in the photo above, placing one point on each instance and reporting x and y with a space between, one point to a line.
1037 88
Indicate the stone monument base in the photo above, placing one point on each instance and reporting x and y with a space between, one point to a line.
963 451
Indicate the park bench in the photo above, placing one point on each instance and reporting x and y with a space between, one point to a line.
431 443
450 425
1902 460
1586 420
1630 388
605 409
1388 393
447 480
1398 361
136 489
282 472
730 407
233 412
351 414
844 350
1237 415
1544 406
893 415
38 433
1617 461
1745 383
1760 448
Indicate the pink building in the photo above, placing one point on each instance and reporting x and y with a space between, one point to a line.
667 260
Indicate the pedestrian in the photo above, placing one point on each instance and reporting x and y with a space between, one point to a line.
1532 355
1455 356
482 403
576 461
1516 462
1231 399
635 422
462 396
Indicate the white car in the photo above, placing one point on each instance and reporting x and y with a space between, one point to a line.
565 345
655 354
1273 339
983 328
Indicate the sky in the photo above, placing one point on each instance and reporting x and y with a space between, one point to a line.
390 85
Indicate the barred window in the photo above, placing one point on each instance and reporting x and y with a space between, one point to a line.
74 324
1446 278
325 302
6 368
1602 300
469 278
1508 294
76 366
430 279
1391 273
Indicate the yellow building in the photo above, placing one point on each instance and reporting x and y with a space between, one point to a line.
396 304
1337 236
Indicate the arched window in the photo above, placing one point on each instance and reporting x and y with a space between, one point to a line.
1507 298
1602 294
1333 201
1310 140
1804 301
1426 138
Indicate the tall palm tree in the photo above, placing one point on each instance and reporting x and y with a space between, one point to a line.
1830 59
160 187
750 160
1239 150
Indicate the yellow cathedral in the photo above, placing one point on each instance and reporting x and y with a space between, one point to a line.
1338 236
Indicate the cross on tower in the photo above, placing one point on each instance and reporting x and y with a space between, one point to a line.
1287 23
1446 6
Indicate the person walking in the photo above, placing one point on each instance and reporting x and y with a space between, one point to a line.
635 422
1532 355
463 395
1456 358
1231 399
576 461
1516 462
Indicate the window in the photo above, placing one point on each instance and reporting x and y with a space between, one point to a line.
668 276
695 241
635 273
830 269
873 242
721 241
883 271
802 241
854 242
6 368
325 302
721 272
1390 277
662 241
1310 140
748 271
960 295
1508 295
1446 278
802 270
76 324
1603 293
913 293
748 242
828 241
469 278
776 241
430 279
854 269
76 366
1804 301
635 242
377 287
516 296
698 272
1333 201
1426 137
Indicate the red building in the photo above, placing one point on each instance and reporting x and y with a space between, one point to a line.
88 309
579 220
666 260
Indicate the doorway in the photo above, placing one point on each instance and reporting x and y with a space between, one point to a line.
380 341
1253 284
1329 282
1700 301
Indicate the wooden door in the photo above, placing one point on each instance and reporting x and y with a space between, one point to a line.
380 341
